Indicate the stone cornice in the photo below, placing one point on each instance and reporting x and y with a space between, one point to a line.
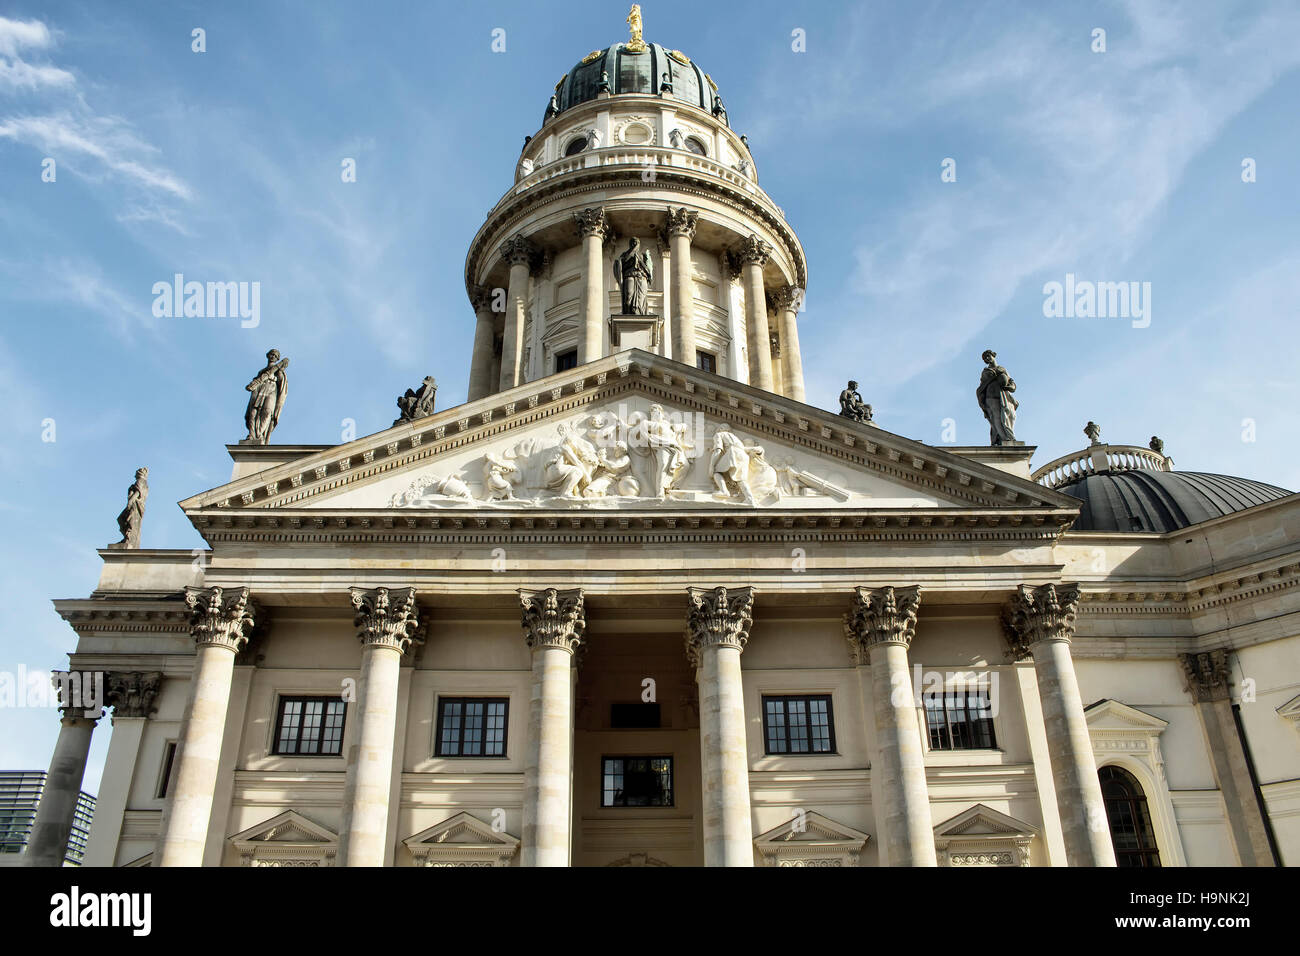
387 617
882 616
514 210
552 618
125 615
757 411
1043 613
717 617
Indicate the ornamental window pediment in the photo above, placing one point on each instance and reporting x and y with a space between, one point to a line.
809 838
462 840
982 836
288 839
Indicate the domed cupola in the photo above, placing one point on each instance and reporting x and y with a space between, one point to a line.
644 68
1129 488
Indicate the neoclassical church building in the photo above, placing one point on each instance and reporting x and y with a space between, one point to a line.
635 603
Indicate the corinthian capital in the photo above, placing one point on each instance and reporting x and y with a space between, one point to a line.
883 616
753 249
1207 675
719 617
788 298
1043 613
133 693
386 618
518 251
220 618
682 222
481 298
592 222
553 618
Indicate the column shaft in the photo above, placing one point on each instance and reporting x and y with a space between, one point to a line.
756 331
909 832
546 772
512 347
54 815
1074 769
363 835
593 296
728 833
791 360
480 372
198 755
114 790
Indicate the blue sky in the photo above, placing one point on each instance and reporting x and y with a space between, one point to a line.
224 165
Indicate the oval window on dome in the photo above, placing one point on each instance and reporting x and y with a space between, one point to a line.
637 134
695 146
575 146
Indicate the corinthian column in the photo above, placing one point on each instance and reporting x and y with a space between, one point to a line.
480 370
1040 622
594 229
554 622
788 299
753 254
1209 683
387 622
883 622
519 254
681 231
717 628
58 804
133 696
220 624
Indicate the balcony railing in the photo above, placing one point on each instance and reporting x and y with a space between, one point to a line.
1097 459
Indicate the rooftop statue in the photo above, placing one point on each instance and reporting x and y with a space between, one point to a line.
266 400
635 44
996 401
132 516
1157 445
1093 431
852 406
418 404
634 271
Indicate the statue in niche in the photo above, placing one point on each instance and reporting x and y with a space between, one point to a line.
852 406
665 443
634 271
417 404
499 475
996 400
266 400
132 516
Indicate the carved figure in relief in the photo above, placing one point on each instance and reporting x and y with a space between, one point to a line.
666 445
571 468
729 467
449 487
499 475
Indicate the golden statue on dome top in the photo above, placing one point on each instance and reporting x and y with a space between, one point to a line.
636 44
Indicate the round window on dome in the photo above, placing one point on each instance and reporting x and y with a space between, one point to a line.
637 134
575 146
695 146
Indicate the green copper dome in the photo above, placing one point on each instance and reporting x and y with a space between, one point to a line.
637 72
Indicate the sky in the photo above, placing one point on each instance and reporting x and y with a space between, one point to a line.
941 162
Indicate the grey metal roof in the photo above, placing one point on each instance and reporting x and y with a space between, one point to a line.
1160 501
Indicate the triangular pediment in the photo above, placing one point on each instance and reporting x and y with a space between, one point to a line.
462 830
287 828
980 821
812 829
635 431
1111 715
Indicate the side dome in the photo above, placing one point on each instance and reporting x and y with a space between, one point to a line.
1128 488
1160 501
629 70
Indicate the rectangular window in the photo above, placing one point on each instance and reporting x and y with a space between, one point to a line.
472 726
798 725
310 726
636 782
566 360
960 719
706 361
165 777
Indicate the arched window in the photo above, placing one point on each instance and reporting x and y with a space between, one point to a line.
695 146
576 146
1130 820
